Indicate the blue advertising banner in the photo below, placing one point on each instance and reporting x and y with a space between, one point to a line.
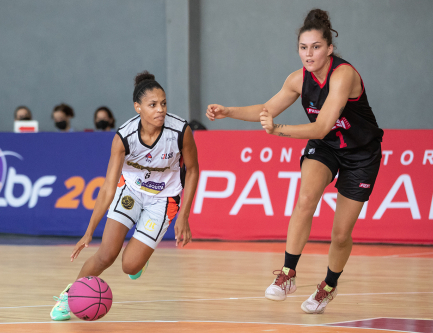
49 182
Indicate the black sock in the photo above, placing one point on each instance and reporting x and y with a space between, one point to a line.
291 260
332 278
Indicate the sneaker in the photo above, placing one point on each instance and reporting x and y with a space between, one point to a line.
60 311
136 276
284 283
317 302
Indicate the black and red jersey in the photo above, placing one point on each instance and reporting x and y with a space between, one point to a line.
357 124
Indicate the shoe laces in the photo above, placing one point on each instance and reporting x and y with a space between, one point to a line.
62 302
322 294
281 279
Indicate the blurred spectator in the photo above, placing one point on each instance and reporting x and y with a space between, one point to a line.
22 113
62 115
196 125
104 120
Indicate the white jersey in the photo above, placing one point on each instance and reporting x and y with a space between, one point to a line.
156 169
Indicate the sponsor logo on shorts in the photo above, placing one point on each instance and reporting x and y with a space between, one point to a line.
149 226
128 202
311 151
364 185
166 156
315 111
342 122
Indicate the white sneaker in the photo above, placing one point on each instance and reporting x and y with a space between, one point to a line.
284 284
317 302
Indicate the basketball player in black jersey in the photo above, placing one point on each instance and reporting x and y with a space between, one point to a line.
343 137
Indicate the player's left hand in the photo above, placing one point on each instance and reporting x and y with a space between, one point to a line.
181 231
267 121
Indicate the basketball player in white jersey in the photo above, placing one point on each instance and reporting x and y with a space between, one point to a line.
149 155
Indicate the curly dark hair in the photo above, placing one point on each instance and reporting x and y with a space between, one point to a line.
143 82
318 19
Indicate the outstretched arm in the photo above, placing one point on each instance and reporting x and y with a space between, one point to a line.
105 195
288 94
189 153
342 82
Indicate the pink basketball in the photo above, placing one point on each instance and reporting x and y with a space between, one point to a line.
90 298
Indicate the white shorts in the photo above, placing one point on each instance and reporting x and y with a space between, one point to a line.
150 215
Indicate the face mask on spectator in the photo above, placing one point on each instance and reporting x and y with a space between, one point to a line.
102 124
25 118
61 125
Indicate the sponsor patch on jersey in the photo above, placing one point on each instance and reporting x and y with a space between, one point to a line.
128 202
148 157
364 185
167 156
140 167
138 181
315 111
342 122
152 187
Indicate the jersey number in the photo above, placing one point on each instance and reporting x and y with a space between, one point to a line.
342 143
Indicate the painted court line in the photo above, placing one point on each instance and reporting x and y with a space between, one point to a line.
225 299
408 255
193 321
350 321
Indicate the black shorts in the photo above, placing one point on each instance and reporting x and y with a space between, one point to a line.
357 168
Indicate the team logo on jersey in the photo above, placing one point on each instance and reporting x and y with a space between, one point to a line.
166 156
342 122
148 157
311 151
364 185
128 202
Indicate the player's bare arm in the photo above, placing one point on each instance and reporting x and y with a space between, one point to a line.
288 94
343 84
189 153
105 195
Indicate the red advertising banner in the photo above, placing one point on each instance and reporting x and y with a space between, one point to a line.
249 182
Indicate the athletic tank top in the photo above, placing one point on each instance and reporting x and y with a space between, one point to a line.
357 124
157 169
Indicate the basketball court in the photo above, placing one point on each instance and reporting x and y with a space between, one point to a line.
219 287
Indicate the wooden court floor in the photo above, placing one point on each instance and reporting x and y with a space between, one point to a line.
219 287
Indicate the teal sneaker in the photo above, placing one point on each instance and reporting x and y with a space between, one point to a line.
136 276
60 311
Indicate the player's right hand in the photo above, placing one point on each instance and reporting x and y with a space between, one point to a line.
216 111
82 243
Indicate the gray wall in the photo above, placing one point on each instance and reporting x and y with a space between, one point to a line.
233 52
84 53
248 48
